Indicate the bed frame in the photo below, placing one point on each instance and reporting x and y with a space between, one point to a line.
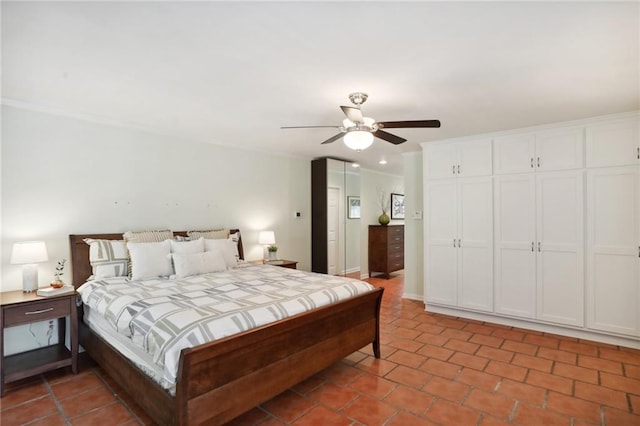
221 380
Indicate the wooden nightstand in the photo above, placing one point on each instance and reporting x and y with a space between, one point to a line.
291 264
24 308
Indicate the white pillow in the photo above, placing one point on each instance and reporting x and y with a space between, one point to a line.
150 260
187 247
227 248
187 265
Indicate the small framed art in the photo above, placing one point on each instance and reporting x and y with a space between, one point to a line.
353 207
397 206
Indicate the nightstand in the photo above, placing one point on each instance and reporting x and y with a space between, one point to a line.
291 264
20 308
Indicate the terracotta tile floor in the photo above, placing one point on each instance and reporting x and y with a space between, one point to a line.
435 370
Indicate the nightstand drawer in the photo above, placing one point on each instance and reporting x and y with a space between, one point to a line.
36 311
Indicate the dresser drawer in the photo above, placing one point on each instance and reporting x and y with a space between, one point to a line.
37 311
396 233
395 257
395 249
396 264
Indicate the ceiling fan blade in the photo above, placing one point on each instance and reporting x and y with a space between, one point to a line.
353 114
333 138
396 140
308 127
408 124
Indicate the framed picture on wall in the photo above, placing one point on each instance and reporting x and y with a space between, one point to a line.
353 207
397 206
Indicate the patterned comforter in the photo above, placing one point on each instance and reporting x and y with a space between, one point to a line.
163 316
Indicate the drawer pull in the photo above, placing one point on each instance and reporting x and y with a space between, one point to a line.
42 311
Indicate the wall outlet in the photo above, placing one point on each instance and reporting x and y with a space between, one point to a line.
297 215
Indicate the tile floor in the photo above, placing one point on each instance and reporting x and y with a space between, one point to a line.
436 370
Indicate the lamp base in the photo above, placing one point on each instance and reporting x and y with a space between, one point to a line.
29 277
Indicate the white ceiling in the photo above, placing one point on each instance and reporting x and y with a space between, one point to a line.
233 73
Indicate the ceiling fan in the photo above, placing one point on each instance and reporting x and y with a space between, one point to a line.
359 130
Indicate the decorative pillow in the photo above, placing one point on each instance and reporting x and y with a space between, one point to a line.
211 235
227 247
235 238
108 258
187 247
147 236
187 265
150 260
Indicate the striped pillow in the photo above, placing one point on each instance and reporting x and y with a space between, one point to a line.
214 234
108 258
145 237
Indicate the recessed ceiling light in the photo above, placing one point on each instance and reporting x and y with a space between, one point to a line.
355 165
382 162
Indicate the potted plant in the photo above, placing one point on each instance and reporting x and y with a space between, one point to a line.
57 282
273 250
384 201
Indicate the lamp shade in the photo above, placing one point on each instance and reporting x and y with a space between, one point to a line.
29 252
358 140
266 238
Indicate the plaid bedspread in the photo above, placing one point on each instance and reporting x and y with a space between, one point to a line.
163 316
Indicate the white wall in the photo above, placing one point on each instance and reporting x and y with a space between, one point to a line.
371 183
413 226
62 176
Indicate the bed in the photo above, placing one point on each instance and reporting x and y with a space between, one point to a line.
220 380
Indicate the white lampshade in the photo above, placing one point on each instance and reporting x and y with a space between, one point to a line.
28 254
266 238
358 140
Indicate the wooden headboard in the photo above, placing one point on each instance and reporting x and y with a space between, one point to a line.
81 268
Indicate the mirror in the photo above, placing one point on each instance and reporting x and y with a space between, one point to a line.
335 218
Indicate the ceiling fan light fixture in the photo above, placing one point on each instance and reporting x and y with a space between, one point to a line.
358 140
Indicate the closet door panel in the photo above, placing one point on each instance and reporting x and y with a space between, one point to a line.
514 154
613 250
475 158
613 144
560 263
559 149
441 250
442 161
514 252
475 234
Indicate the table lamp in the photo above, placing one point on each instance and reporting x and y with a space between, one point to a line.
27 254
266 238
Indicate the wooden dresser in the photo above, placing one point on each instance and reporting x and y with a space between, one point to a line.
386 249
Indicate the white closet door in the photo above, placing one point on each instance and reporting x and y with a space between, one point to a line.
514 154
475 158
475 251
613 239
613 144
559 247
559 149
441 250
442 161
515 256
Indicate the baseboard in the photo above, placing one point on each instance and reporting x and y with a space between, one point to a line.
568 331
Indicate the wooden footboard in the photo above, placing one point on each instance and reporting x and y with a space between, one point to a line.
221 380
225 378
